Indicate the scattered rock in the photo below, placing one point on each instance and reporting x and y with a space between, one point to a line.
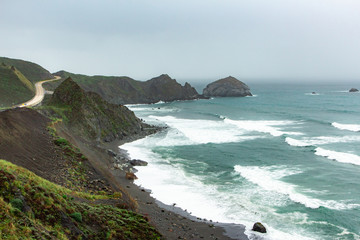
353 90
130 176
258 227
137 162
111 152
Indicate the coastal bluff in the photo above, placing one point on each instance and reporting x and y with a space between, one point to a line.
125 90
227 87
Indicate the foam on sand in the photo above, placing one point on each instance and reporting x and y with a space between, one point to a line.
338 156
349 127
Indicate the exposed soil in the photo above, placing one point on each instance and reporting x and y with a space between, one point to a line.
26 142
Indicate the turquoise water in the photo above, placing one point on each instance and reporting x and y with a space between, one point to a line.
285 157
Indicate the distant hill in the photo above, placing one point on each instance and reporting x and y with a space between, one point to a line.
88 115
125 90
31 71
15 88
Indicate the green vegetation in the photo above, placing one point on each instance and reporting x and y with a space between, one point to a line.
88 115
125 90
34 208
15 88
31 71
113 89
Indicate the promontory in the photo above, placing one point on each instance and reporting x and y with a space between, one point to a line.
227 87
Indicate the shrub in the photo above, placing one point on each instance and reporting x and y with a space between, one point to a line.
61 142
76 216
17 203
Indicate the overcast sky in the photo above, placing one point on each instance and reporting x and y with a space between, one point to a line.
187 39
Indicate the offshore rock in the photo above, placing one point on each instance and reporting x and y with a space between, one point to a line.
353 90
227 87
258 227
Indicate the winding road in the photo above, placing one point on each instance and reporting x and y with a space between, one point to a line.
39 95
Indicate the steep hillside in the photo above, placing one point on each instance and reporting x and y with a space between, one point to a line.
88 115
34 208
124 90
15 88
31 71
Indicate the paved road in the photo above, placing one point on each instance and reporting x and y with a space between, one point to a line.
39 95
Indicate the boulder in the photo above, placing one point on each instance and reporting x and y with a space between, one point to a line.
258 227
130 176
353 90
227 87
137 162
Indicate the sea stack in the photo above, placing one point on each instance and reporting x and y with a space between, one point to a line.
227 87
353 90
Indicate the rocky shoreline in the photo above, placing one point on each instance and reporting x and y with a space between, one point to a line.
172 221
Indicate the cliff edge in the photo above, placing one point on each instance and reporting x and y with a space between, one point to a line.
88 115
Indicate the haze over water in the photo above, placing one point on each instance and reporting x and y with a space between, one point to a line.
286 157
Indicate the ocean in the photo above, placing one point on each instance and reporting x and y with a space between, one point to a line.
285 157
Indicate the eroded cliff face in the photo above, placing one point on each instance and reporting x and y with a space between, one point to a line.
88 115
227 87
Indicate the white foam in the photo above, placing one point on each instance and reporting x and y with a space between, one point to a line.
350 127
306 142
296 143
271 127
159 102
195 131
312 94
170 184
269 178
338 156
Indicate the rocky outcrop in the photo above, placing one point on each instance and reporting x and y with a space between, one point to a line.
353 90
227 87
258 227
125 90
91 117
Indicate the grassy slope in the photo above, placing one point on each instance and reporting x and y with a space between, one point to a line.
14 87
112 89
31 71
34 208
89 115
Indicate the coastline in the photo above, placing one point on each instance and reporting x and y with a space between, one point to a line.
173 222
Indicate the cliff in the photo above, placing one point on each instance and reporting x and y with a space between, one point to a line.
88 115
227 87
125 90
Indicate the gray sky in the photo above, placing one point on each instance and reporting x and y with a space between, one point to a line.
188 39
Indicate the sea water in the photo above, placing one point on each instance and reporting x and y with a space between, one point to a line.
286 157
